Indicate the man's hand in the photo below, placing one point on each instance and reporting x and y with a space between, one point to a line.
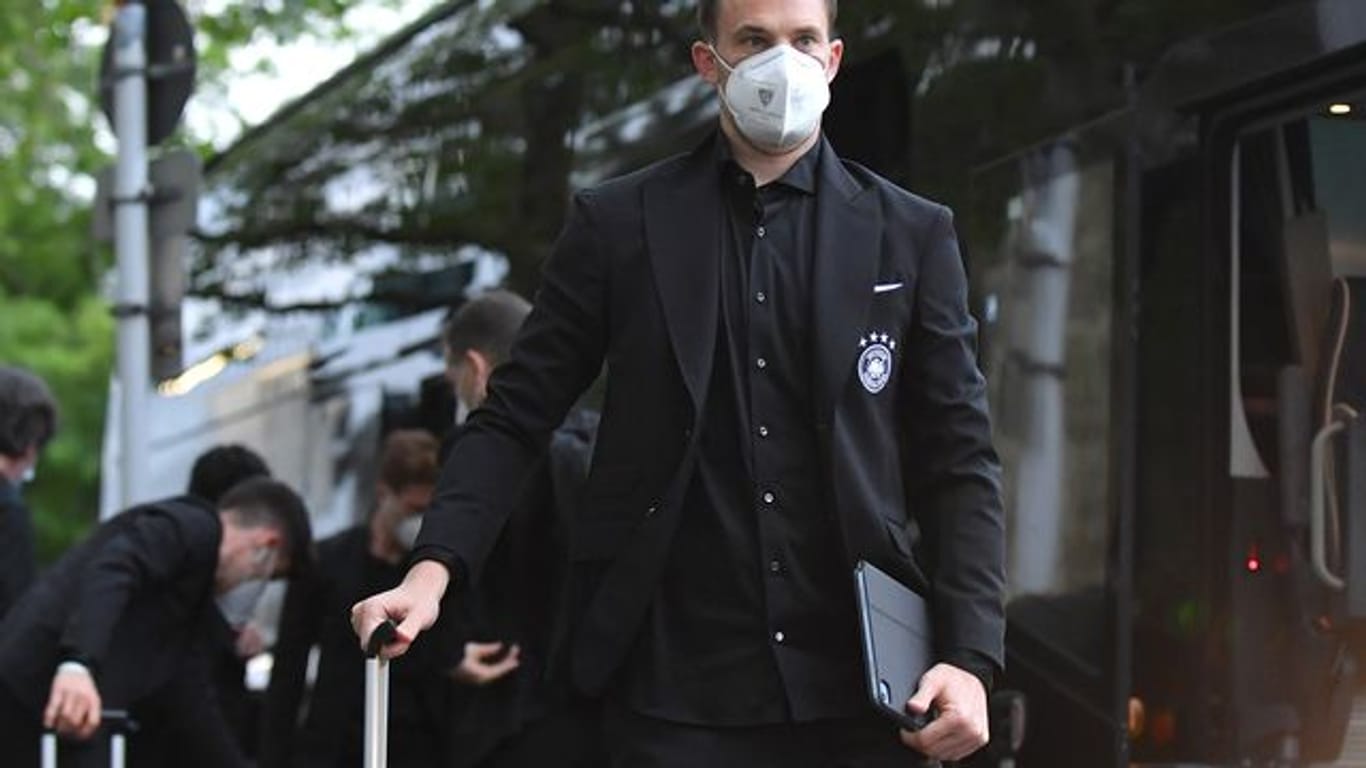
250 642
478 666
413 605
960 724
73 706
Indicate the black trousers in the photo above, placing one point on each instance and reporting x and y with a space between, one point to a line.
638 741
568 738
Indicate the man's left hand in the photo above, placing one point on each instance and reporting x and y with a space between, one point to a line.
960 724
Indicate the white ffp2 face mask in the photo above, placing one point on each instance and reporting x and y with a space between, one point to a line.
776 97
406 531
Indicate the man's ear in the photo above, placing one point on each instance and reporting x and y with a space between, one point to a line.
832 67
704 61
479 366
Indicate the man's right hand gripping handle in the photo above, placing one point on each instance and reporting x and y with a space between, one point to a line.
412 605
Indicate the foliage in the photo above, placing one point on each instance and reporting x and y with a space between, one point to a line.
51 316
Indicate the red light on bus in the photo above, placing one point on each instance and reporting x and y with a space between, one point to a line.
1253 564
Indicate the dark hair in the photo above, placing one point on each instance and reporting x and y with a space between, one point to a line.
263 502
408 459
220 468
487 324
28 412
708 10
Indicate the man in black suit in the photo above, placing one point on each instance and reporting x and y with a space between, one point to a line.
28 419
122 621
518 708
214 473
356 562
791 387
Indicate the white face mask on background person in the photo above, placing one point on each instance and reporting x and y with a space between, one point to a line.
406 531
29 474
238 604
776 97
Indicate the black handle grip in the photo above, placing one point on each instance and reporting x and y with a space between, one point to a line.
113 721
383 635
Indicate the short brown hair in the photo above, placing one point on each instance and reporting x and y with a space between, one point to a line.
408 459
487 324
708 10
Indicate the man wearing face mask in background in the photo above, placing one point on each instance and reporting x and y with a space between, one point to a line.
122 621
351 564
517 708
791 387
28 420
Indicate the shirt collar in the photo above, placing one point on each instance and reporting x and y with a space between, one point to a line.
801 176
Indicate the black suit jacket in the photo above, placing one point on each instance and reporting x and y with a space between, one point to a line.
633 283
134 601
17 564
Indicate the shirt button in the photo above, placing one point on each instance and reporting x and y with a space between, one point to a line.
769 497
779 637
763 431
775 566
760 231
761 363
761 297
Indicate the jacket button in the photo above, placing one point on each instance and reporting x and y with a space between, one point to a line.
652 510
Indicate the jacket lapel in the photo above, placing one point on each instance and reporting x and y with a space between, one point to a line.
682 230
848 238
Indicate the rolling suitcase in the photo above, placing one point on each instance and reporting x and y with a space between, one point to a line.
377 697
115 722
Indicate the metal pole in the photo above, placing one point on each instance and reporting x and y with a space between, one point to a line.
131 240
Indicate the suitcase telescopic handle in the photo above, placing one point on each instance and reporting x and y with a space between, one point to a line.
383 635
118 723
377 696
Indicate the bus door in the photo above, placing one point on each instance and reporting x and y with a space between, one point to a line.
1287 170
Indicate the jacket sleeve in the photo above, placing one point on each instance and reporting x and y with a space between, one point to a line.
952 469
300 620
152 548
557 355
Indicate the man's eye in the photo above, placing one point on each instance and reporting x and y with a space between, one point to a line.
754 41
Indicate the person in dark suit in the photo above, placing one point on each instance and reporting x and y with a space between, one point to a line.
351 564
28 420
214 473
791 387
517 708
121 622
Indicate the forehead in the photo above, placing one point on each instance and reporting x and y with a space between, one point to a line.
772 14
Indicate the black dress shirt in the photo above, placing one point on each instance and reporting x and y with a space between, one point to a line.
754 620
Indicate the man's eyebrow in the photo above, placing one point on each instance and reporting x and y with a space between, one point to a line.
751 29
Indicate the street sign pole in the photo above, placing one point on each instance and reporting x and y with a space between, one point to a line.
131 191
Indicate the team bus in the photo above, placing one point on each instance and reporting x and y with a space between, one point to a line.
1162 206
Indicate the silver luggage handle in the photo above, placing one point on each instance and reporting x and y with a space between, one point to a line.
1318 514
117 721
377 696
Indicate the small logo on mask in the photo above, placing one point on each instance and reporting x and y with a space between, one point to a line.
765 96
875 362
